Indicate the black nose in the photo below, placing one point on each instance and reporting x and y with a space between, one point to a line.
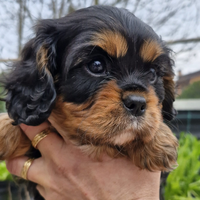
136 105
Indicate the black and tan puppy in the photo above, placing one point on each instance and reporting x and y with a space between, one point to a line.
105 77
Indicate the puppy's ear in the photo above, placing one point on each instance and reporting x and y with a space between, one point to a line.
30 85
168 110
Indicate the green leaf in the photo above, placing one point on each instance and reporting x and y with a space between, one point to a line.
4 174
184 182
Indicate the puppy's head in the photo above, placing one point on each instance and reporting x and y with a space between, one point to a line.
105 72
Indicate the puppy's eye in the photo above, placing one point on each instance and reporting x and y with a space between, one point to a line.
153 76
97 67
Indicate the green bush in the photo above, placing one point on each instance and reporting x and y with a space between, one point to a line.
4 174
2 103
184 182
2 106
191 92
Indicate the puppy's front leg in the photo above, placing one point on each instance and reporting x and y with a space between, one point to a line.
13 142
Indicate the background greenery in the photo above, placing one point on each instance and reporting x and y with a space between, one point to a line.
191 92
4 174
2 104
184 182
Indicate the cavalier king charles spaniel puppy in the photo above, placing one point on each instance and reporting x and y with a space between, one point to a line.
105 77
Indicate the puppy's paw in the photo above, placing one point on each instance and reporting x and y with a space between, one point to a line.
13 142
160 154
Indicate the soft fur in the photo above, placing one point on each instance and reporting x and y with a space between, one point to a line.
53 78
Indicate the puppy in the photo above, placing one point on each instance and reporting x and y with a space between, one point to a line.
105 77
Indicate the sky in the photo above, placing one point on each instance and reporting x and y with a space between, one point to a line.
185 23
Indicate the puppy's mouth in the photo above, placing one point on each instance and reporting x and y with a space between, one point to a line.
124 137
137 129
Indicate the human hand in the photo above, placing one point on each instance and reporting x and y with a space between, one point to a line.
65 173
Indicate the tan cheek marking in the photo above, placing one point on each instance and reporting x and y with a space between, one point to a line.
150 50
74 118
111 42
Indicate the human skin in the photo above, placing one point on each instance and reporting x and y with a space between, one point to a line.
64 172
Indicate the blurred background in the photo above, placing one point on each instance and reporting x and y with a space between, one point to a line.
178 23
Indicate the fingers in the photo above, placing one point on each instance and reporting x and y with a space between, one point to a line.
47 145
34 173
54 122
31 131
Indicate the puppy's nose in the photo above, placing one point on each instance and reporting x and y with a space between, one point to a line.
136 105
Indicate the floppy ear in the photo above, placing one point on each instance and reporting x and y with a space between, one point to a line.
30 85
168 110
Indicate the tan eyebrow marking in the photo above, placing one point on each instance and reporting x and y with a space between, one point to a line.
112 42
150 50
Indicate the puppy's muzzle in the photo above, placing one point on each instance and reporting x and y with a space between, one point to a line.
136 105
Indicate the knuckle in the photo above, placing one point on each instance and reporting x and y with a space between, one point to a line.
61 170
